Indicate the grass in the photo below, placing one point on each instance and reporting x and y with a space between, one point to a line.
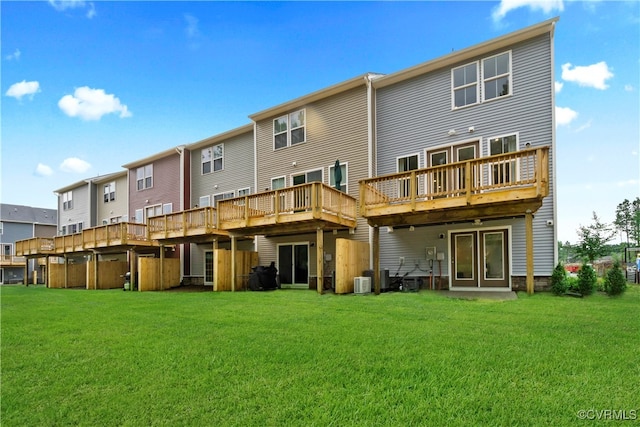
95 358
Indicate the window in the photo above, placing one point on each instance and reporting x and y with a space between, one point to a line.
343 175
151 211
167 208
244 192
67 201
503 171
222 196
1 227
145 177
405 164
465 85
212 159
7 251
496 72
204 201
110 192
139 219
277 183
289 129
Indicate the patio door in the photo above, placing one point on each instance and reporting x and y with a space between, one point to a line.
293 265
439 176
480 259
302 197
406 164
208 268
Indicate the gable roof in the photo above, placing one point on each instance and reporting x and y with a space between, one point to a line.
28 214
468 53
154 157
220 137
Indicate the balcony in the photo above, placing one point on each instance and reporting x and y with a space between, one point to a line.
12 261
292 210
35 246
498 186
194 225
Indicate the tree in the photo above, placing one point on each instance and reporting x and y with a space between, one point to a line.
628 220
593 239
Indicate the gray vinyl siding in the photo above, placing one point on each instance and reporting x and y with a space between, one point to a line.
336 130
81 208
416 114
198 250
237 173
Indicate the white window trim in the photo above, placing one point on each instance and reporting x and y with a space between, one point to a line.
212 159
404 157
345 177
510 74
139 214
306 173
144 177
67 200
204 201
214 201
289 129
488 151
283 178
243 191
109 189
477 84
167 208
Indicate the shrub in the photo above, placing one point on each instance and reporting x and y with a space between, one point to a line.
615 281
559 280
586 279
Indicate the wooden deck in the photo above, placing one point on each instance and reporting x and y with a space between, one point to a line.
489 187
12 261
194 225
105 237
291 210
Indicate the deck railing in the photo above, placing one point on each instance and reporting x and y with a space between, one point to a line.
314 197
35 245
512 171
12 260
194 221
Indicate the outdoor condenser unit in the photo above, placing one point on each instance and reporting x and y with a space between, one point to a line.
362 285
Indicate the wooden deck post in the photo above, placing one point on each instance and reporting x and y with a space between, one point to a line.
320 259
133 269
529 250
47 273
233 263
25 277
162 267
376 259
95 271
66 270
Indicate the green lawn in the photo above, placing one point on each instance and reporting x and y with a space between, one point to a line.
96 358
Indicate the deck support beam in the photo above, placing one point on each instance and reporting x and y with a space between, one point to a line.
234 245
320 259
528 219
376 259
162 267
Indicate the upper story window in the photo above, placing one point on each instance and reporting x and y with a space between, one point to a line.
212 159
496 73
465 85
110 192
289 129
144 177
67 200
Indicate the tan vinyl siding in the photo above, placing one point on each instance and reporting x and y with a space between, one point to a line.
115 208
237 173
336 130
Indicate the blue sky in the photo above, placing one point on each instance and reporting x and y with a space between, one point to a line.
90 86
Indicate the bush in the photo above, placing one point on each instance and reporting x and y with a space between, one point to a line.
586 279
559 283
615 281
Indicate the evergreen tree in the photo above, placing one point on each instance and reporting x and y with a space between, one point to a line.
593 239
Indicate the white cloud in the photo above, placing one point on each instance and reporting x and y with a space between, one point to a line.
43 170
20 89
546 6
192 25
633 182
15 55
594 75
565 115
92 104
74 165
628 88
62 5
558 86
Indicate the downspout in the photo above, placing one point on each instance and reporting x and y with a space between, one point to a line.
370 155
553 147
180 151
255 172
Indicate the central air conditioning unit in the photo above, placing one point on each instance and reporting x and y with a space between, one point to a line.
362 285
